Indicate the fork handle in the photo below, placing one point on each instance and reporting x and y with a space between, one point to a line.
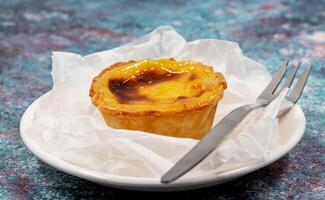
229 122
209 142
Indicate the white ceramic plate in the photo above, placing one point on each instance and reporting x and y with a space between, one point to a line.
291 130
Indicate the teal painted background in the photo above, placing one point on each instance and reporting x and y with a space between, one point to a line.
267 32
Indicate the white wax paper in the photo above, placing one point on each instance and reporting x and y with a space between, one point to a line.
71 128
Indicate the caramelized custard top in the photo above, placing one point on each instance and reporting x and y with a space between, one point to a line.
127 90
157 85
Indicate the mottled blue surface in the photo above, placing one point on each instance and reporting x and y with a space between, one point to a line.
267 32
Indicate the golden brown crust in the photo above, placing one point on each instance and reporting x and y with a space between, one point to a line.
191 124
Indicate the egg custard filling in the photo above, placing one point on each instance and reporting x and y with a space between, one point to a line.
165 96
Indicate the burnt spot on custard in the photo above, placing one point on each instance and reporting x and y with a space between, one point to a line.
124 91
199 93
181 97
127 90
192 77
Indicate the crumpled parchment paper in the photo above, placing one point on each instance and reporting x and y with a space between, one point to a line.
70 127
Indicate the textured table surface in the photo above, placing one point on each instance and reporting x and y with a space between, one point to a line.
268 33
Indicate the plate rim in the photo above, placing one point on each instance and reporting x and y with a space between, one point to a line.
149 184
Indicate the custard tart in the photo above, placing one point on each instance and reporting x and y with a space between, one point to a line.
165 96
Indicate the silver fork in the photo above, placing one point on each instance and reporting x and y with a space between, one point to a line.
214 138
